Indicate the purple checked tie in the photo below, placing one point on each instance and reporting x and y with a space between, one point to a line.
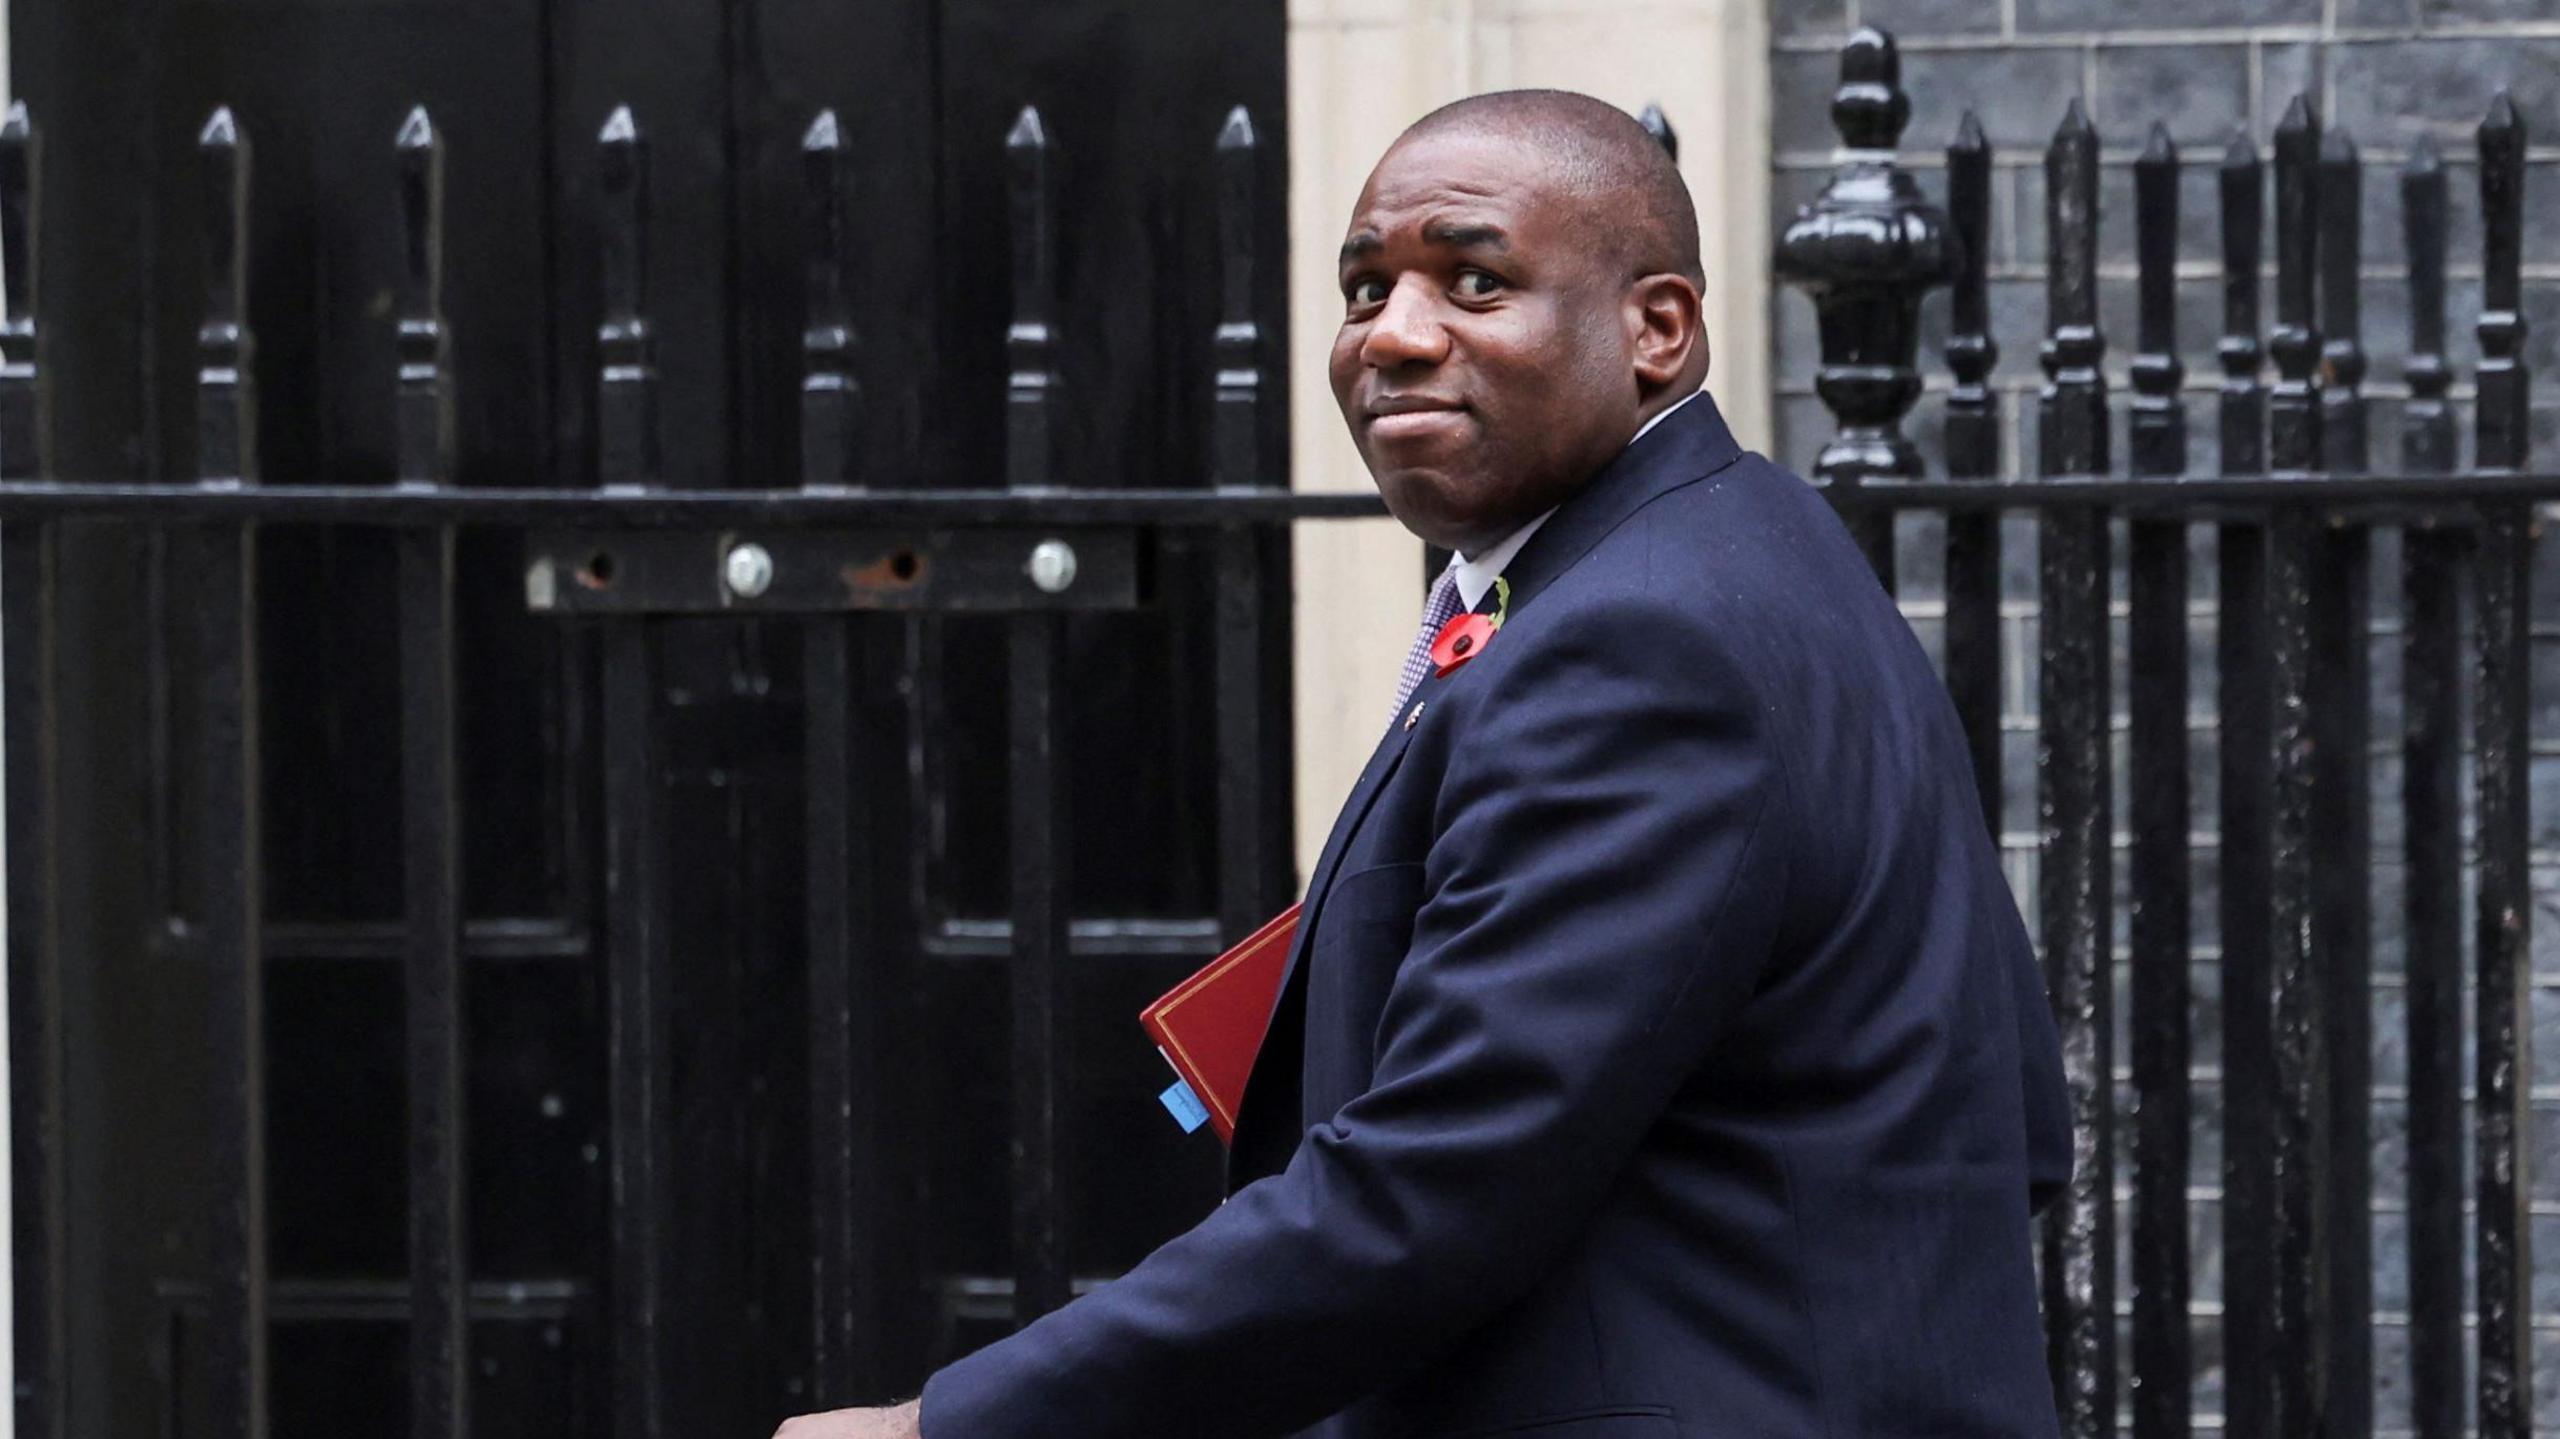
1436 611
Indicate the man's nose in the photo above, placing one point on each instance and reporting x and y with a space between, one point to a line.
1407 330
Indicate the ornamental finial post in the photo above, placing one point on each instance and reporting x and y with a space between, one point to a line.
1865 251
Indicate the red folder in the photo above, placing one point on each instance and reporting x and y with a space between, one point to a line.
1211 1024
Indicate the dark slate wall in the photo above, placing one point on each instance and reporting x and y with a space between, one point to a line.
2390 71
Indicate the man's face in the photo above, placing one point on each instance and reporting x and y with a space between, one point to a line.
1484 362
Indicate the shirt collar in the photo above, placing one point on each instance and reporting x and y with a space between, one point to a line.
1476 574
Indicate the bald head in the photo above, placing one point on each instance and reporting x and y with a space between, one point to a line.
1520 287
1631 199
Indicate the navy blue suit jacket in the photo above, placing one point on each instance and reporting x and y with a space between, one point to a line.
1661 1055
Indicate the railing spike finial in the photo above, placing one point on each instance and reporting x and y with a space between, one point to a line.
424 450
1870 107
2072 434
226 395
2243 408
1031 341
2294 400
1029 132
2342 356
830 392
417 130
2158 424
1236 453
1973 412
2505 429
627 454
26 431
1865 251
1658 125
1237 132
1973 658
823 133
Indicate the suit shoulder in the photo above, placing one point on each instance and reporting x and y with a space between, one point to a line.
1751 544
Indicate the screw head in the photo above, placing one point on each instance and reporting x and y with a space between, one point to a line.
748 570
1052 566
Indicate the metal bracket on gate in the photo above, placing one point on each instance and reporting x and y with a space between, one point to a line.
801 571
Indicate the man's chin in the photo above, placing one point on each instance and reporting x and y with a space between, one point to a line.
1421 498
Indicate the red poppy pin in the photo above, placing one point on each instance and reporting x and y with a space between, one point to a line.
1465 636
1459 641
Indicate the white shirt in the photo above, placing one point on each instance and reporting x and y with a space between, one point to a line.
1477 574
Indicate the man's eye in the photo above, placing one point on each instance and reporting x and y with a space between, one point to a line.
1366 292
1477 285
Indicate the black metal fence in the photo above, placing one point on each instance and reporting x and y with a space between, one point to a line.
2292 504
2295 502
839 552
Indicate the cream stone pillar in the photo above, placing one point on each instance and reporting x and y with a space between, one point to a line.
1359 72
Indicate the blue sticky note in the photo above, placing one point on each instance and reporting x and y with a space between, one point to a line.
1185 1106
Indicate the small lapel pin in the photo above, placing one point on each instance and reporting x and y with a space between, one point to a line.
1460 640
1414 714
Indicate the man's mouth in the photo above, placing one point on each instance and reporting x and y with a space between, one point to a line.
1408 417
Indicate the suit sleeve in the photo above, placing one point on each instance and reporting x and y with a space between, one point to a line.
1603 890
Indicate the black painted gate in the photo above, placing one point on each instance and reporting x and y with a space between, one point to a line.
558 669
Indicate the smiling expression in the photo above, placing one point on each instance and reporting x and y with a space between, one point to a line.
1486 361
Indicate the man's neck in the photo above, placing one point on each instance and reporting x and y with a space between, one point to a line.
1501 550
1663 414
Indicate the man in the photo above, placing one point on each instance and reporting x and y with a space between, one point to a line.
1662 1054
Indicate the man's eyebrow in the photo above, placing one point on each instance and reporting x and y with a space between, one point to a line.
1439 232
1466 237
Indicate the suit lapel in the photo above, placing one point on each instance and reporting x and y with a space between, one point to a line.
1685 446
1289 1000
1688 445
1364 793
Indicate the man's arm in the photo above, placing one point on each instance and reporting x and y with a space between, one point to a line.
1603 891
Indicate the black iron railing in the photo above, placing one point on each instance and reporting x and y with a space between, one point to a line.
837 551
2291 502
2295 508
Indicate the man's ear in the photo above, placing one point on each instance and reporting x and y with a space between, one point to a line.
1666 322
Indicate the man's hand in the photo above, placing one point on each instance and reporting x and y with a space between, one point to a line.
896 1423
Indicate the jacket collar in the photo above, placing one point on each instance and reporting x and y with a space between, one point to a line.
1691 443
1686 446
